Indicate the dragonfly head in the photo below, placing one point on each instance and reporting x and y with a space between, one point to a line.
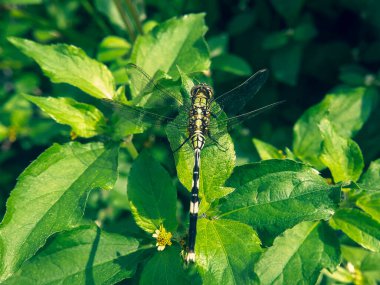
202 88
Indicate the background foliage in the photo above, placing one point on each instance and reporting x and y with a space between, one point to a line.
324 61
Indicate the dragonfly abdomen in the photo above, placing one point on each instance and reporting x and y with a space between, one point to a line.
199 120
194 206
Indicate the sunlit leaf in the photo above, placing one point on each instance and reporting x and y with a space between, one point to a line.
68 64
81 256
50 196
152 195
359 226
274 195
84 119
298 256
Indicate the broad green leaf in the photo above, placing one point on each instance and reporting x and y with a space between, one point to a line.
225 250
165 267
371 178
50 197
267 151
286 62
176 42
232 64
370 203
346 108
216 164
85 255
298 256
68 64
359 226
341 155
84 119
288 9
152 195
274 195
112 48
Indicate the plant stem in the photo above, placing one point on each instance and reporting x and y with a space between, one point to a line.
135 16
126 20
128 144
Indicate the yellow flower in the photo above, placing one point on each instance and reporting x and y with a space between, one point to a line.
163 238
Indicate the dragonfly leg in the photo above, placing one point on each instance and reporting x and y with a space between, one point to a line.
182 144
216 142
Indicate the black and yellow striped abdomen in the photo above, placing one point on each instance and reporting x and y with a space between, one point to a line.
199 119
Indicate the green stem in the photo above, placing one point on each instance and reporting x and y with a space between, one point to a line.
125 19
135 16
128 144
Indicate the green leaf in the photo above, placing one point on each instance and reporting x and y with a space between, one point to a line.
218 44
225 251
85 255
298 256
152 195
286 62
69 64
50 197
365 261
275 40
342 156
288 9
346 108
359 226
109 10
305 32
232 64
84 119
370 203
216 164
165 268
274 195
17 112
371 178
112 48
267 151
178 41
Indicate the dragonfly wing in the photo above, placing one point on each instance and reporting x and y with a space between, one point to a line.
233 101
143 86
140 117
230 123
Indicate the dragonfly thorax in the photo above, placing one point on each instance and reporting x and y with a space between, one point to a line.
203 90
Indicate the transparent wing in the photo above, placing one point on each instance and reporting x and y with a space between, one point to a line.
140 117
230 123
148 92
233 101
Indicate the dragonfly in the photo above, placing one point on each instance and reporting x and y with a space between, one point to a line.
207 119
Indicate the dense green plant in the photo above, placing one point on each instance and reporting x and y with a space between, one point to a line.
278 221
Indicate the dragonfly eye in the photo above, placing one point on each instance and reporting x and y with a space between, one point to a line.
210 91
194 90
